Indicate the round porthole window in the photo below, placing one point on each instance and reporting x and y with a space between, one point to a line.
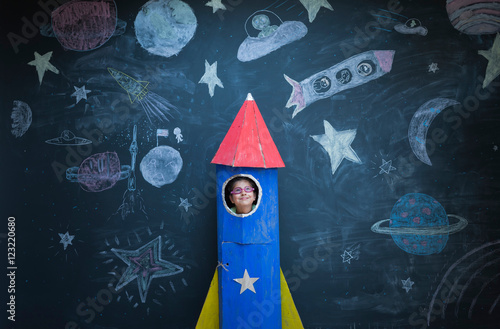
241 195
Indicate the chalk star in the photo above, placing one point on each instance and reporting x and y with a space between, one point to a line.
407 284
185 203
216 5
433 67
495 148
80 93
210 77
493 57
346 257
42 64
144 264
66 239
386 167
246 282
313 6
338 145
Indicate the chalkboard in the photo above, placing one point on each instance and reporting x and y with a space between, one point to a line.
385 114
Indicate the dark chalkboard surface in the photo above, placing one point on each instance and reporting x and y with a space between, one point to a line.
385 113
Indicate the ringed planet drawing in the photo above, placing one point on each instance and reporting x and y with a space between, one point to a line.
419 224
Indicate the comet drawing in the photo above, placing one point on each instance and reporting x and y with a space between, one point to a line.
350 73
154 105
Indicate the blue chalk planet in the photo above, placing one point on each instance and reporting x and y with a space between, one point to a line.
164 27
419 224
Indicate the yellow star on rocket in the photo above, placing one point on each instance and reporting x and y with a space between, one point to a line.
493 57
313 6
41 62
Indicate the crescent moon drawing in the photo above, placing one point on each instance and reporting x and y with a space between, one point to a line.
420 123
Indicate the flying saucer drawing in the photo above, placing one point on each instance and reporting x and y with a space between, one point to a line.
412 26
67 138
270 37
419 224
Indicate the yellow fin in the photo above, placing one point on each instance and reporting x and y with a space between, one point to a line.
209 317
290 318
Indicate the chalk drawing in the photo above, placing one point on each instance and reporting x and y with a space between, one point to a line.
407 284
144 265
420 123
386 167
419 224
346 257
338 145
411 26
80 93
270 37
164 27
350 73
42 64
313 6
185 204
433 67
210 77
216 5
161 165
68 138
178 134
66 239
474 17
154 105
493 57
22 117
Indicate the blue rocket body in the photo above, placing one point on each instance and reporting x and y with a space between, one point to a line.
249 243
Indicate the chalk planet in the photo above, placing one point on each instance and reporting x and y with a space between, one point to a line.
164 27
161 165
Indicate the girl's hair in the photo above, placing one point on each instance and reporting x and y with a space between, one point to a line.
232 182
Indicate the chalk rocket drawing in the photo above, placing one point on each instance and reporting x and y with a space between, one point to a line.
352 72
216 5
338 145
42 64
210 77
22 117
80 93
270 37
313 6
164 27
420 123
154 105
145 264
493 57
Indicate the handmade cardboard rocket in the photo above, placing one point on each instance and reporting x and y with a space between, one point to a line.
248 289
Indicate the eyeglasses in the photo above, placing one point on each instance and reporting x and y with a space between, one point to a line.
238 190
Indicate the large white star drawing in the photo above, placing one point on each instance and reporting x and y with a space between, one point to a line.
210 77
246 282
407 284
216 5
80 93
493 57
41 62
313 6
338 145
66 239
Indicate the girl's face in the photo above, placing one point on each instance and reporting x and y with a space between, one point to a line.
244 200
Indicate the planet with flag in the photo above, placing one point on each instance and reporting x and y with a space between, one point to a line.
419 224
